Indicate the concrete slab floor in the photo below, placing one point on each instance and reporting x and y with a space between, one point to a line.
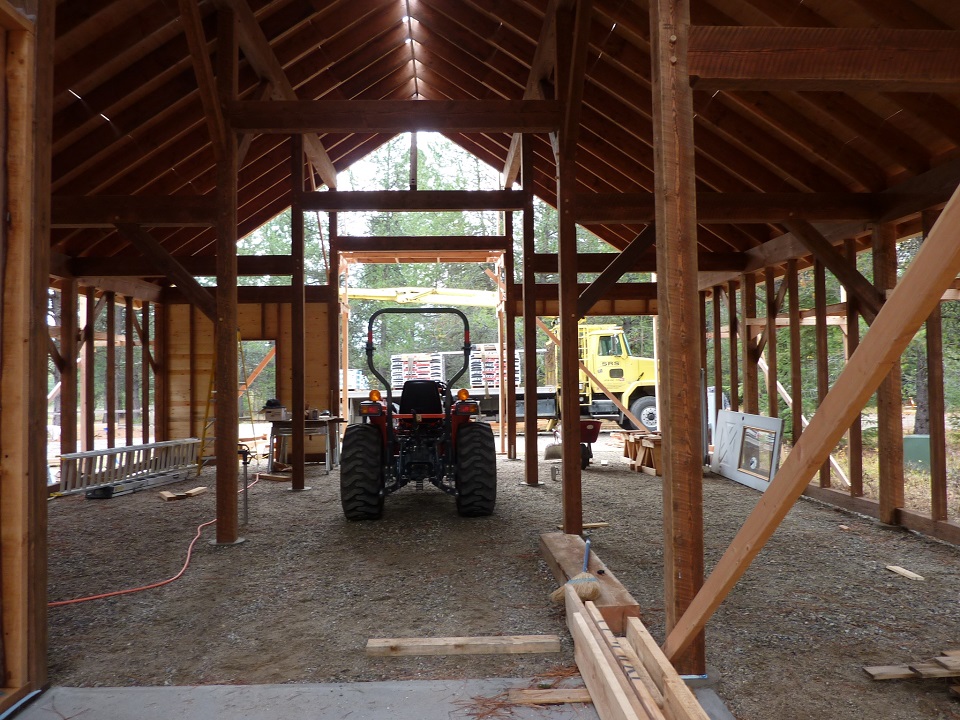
398 700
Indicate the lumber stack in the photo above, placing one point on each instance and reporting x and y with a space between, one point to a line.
945 665
628 678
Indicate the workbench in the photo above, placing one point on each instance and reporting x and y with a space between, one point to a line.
329 427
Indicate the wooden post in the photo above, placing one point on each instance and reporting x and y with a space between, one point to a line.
933 270
297 315
573 25
509 387
796 386
889 394
852 340
226 336
195 398
733 333
111 380
935 401
678 373
773 397
530 449
161 390
748 300
128 394
145 372
717 354
89 371
823 369
333 319
68 375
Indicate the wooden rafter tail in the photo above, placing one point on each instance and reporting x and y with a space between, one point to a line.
933 270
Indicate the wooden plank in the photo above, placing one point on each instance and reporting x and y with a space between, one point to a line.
168 496
528 311
933 670
550 696
733 334
619 264
146 364
129 399
796 383
196 491
950 662
934 268
904 572
611 701
748 304
717 351
394 116
68 374
110 384
845 59
490 645
774 299
564 556
889 672
298 356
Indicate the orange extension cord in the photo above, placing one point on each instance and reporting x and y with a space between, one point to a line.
186 564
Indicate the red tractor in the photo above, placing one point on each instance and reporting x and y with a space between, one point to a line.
429 436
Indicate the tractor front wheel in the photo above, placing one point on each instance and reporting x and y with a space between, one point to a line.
361 473
476 470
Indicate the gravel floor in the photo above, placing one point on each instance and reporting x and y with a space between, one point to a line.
297 601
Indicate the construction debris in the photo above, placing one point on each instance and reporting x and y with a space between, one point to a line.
550 696
947 664
168 496
491 645
903 571
629 678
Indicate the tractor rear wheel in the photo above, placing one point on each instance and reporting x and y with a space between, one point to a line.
361 473
476 470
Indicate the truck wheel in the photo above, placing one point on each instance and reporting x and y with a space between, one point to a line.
645 410
476 470
361 473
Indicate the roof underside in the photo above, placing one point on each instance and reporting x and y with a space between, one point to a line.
129 118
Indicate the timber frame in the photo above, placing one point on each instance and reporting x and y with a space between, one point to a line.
725 145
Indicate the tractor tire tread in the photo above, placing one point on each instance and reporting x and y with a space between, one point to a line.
476 470
361 474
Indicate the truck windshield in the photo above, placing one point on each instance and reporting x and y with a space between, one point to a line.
609 345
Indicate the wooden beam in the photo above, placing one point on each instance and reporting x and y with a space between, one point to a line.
889 393
402 244
869 299
823 349
156 254
933 269
146 363
128 396
748 302
494 645
528 312
678 378
733 207
110 383
226 334
256 49
717 355
298 356
89 368
734 334
206 266
395 116
413 200
768 341
620 264
845 59
647 262
104 211
796 383
197 42
68 373
935 402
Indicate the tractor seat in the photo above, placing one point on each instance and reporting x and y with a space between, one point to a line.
422 396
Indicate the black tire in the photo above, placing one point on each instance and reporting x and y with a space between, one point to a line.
476 470
645 410
361 473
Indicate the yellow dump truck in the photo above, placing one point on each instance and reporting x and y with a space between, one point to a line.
633 380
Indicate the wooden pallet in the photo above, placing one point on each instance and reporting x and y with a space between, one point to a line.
629 678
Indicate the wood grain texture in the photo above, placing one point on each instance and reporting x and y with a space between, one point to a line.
492 645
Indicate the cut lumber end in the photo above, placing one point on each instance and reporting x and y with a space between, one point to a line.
168 496
274 476
196 491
